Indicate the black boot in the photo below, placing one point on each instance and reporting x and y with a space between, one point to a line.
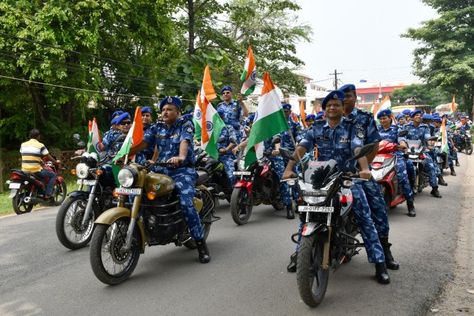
292 266
203 252
381 273
441 181
411 208
453 173
290 214
435 192
389 261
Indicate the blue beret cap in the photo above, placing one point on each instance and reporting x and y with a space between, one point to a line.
333 95
347 87
171 100
286 106
414 112
437 119
122 117
427 116
310 117
146 109
320 115
116 113
226 88
400 115
436 114
406 112
385 112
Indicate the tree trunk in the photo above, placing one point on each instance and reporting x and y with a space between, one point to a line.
191 22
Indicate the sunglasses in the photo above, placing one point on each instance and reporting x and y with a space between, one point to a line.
125 123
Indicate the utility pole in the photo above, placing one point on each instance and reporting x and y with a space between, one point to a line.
335 77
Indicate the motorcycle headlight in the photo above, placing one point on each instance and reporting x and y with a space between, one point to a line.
310 195
377 173
314 199
241 164
126 177
82 170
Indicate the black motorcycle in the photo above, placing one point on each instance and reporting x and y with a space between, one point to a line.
463 142
76 216
416 153
328 236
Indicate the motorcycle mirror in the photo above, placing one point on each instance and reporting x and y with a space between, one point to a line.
81 144
365 150
76 137
285 153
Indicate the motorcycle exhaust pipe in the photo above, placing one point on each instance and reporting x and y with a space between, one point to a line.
327 244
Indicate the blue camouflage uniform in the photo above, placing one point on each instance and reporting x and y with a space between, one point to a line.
422 133
110 142
391 134
365 128
278 165
227 136
339 143
168 139
232 115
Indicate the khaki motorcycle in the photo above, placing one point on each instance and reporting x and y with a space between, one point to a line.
148 213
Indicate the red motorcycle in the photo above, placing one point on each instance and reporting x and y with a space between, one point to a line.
384 172
27 189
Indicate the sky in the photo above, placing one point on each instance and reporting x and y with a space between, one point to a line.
361 39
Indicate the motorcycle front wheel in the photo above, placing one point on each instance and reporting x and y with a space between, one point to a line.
311 278
60 192
18 201
468 149
69 229
241 205
110 263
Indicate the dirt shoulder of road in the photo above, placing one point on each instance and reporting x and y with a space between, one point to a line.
457 296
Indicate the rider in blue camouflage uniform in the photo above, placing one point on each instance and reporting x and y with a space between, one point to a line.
233 111
451 152
366 129
337 138
418 131
227 140
147 120
113 139
174 140
389 132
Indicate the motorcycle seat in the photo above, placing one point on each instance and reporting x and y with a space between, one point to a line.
203 177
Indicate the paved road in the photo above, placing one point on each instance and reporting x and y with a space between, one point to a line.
247 274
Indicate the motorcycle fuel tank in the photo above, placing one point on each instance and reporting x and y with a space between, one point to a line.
159 183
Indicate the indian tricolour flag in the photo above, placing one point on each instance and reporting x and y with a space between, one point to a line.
207 122
269 120
444 137
134 136
249 75
385 104
94 137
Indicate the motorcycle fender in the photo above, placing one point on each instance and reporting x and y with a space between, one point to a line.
78 194
310 228
113 214
244 184
12 193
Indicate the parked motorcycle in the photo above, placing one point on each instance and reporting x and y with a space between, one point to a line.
148 213
463 141
76 216
417 156
27 189
257 184
384 172
329 228
216 176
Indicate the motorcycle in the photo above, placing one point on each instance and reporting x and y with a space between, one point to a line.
328 237
463 141
417 156
216 176
76 216
256 184
27 189
383 170
148 213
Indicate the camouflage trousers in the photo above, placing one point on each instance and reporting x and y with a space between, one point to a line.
278 166
185 179
228 162
433 154
431 166
402 176
377 206
366 222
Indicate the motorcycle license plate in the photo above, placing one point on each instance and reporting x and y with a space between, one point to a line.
14 185
316 209
127 191
242 173
86 182
378 159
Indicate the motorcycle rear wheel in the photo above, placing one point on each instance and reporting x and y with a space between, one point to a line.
71 234
241 205
468 149
18 203
311 278
60 192
106 254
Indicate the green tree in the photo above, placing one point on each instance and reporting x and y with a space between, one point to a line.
445 58
421 94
